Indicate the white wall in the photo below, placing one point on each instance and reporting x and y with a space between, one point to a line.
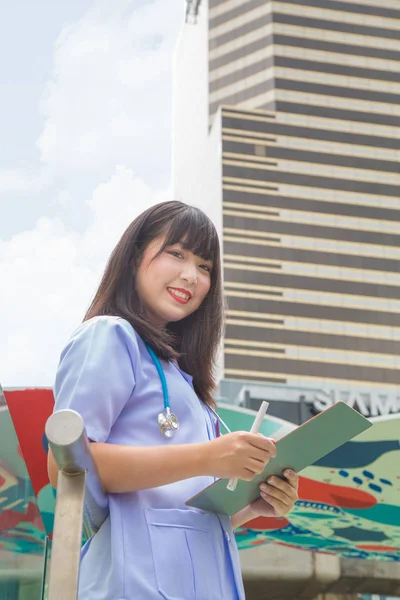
190 104
197 152
208 194
207 182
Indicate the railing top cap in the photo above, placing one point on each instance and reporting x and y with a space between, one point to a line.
64 427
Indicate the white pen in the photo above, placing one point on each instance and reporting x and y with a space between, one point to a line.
254 429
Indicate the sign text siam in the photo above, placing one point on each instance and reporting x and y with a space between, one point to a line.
298 404
369 404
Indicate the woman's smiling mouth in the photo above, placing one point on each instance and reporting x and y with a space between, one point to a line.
180 295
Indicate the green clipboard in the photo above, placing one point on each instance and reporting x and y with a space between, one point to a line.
296 450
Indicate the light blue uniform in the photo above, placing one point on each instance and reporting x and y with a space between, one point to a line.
151 546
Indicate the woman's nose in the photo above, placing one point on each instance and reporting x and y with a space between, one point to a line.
189 273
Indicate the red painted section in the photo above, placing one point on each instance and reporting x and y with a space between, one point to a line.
29 410
376 548
335 495
10 519
266 523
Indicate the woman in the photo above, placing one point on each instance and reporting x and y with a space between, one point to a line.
159 306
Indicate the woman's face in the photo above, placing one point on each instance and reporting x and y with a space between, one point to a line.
174 284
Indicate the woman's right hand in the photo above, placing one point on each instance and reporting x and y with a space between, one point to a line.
239 455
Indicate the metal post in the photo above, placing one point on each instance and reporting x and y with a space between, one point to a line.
78 502
67 536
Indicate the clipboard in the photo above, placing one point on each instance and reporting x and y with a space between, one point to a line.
297 450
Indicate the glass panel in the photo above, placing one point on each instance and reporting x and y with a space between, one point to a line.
22 533
46 571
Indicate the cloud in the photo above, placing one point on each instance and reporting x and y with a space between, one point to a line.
49 275
24 180
115 204
104 152
109 99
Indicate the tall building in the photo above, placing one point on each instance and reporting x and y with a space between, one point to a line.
309 57
287 127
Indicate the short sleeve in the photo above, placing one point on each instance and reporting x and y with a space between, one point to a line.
96 376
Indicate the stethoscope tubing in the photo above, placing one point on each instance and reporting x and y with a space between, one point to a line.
161 375
164 386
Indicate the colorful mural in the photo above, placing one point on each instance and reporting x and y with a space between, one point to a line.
349 501
23 540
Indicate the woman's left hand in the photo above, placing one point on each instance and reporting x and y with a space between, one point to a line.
278 496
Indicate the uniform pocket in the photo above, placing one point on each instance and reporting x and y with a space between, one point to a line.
185 559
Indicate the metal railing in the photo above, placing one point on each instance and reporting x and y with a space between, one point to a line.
81 506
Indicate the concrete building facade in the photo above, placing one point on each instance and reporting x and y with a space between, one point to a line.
304 121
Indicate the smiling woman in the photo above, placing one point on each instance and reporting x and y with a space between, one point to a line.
152 333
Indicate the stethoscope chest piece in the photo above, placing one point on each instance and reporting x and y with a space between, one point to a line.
168 423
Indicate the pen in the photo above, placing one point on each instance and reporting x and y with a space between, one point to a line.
254 429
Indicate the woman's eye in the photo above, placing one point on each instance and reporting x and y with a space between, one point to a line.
206 268
175 253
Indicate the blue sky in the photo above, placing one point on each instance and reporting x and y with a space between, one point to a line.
85 145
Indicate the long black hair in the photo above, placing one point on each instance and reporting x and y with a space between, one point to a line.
192 341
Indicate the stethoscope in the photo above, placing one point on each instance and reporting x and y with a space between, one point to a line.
167 420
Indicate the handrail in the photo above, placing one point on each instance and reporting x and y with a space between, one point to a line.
80 502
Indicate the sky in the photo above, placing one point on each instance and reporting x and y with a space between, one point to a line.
85 146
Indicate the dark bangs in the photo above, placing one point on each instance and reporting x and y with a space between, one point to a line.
195 231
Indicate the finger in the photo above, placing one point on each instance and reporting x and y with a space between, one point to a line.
263 443
282 484
255 465
276 493
285 487
279 508
261 455
252 468
292 477
247 475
